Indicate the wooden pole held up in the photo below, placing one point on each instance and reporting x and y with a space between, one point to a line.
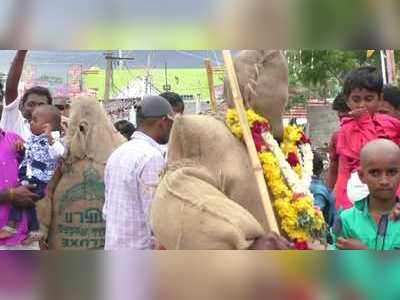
210 77
251 147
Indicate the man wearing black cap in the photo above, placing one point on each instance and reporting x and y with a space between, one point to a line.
132 175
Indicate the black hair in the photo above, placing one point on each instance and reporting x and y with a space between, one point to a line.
340 103
318 163
367 77
391 94
174 99
38 90
126 128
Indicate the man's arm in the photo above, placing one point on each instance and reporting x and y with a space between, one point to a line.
271 241
334 162
320 201
14 75
21 196
350 244
4 196
333 170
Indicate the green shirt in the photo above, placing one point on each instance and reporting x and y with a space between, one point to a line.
357 223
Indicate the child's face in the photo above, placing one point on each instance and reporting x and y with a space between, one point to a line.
388 109
38 122
382 176
363 98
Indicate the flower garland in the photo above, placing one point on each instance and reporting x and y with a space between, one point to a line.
297 149
308 157
292 134
300 220
294 182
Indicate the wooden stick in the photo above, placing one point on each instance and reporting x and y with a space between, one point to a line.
251 147
210 77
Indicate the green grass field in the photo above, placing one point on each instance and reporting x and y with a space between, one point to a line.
182 81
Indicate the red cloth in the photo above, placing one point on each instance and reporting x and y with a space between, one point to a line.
353 135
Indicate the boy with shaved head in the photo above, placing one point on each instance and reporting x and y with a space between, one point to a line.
369 224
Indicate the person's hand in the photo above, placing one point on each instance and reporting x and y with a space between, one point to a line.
357 113
23 197
19 146
317 245
47 128
271 241
395 214
350 244
43 245
158 246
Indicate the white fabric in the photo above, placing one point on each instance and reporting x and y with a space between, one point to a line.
13 121
164 149
131 177
56 150
356 190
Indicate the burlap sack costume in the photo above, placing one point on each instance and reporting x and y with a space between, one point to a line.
72 213
208 197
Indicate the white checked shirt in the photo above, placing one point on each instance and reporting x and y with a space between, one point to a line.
13 121
131 177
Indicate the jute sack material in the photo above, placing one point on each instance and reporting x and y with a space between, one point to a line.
263 82
208 197
76 194
207 219
77 221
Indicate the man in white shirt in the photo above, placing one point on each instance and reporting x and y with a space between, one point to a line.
132 175
18 112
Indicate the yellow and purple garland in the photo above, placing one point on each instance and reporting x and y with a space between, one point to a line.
300 219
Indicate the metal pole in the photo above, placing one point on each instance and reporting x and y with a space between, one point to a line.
383 65
121 62
109 74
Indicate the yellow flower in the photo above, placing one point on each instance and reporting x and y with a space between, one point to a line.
253 117
292 133
299 170
300 236
233 123
288 209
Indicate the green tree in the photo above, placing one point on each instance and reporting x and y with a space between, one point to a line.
322 72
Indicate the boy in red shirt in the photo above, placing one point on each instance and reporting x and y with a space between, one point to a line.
363 90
